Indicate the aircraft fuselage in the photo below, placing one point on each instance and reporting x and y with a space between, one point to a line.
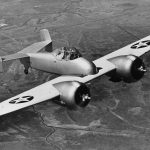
50 63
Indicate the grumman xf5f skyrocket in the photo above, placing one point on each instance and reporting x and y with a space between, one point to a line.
70 88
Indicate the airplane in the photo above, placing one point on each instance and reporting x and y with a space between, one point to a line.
70 88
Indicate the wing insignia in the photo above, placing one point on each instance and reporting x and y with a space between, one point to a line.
22 99
141 44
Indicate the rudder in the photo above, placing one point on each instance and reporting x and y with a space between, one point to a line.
1 65
45 36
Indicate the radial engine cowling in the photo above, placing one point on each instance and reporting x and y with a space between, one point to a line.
73 93
129 68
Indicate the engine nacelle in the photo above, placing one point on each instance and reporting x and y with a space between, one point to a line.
73 93
129 68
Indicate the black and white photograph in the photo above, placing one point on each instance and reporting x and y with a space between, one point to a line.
74 74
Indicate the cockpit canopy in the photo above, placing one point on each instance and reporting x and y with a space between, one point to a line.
67 53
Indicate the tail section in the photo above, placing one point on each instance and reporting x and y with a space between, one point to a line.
1 65
34 48
45 36
37 47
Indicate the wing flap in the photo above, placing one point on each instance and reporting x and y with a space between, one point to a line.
33 96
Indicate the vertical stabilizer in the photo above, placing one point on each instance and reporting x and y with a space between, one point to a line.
45 36
1 65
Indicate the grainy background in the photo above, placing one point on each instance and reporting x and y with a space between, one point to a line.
118 118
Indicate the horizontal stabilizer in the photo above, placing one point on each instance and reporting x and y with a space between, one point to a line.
34 48
13 56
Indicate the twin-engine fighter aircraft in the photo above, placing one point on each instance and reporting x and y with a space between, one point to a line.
70 88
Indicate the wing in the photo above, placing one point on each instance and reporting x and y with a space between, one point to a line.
137 48
33 96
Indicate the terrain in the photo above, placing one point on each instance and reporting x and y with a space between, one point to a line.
118 117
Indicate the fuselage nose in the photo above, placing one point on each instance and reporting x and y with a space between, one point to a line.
87 67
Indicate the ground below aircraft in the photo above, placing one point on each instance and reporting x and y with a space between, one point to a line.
75 71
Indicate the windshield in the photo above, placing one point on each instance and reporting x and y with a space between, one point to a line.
67 53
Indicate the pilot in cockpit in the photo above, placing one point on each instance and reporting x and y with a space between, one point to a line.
66 53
